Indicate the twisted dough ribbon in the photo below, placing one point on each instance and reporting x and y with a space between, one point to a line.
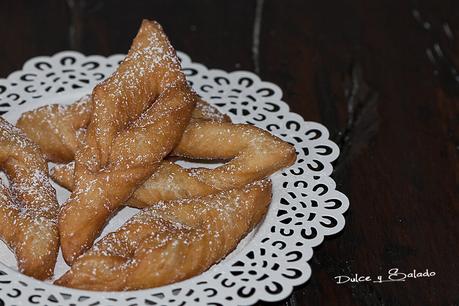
147 95
255 153
170 241
28 210
59 129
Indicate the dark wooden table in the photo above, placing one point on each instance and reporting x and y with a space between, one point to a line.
381 75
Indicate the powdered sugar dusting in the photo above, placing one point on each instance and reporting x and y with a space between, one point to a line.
29 209
166 237
147 95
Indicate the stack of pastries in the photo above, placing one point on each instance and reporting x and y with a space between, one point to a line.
117 147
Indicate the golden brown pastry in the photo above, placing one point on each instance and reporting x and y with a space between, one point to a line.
59 129
253 154
170 241
258 153
28 211
204 111
147 95
170 181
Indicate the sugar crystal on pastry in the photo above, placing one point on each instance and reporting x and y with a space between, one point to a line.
28 209
170 241
147 94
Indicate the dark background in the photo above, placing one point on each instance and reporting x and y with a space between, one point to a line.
381 75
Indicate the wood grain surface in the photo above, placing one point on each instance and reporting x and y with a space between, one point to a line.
381 75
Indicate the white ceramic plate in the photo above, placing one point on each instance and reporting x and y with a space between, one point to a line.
270 261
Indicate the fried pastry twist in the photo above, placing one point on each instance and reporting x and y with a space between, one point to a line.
28 211
254 154
59 129
147 95
170 241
